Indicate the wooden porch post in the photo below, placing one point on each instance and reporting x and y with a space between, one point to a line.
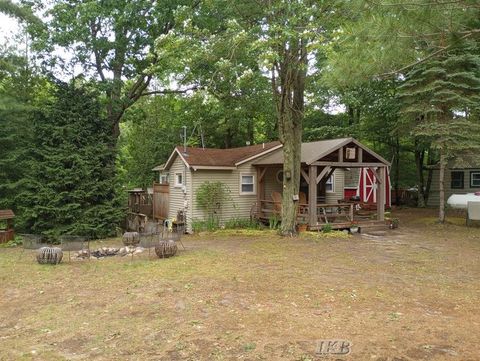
312 196
260 189
381 193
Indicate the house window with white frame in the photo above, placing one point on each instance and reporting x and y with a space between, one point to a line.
330 184
474 179
164 178
178 179
247 183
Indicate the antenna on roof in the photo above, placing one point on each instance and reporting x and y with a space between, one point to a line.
184 139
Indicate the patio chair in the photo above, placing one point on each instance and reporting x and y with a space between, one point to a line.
74 243
277 202
473 212
302 203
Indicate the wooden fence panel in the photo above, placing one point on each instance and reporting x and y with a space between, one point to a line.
160 201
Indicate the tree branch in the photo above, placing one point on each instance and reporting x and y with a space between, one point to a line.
171 91
421 61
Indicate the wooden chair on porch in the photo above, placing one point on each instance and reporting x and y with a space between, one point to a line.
277 203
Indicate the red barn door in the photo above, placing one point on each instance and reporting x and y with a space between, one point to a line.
367 187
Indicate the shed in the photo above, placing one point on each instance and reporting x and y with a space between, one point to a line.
7 233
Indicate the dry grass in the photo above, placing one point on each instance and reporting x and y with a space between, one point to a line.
410 294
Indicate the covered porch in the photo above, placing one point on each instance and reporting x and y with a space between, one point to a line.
315 206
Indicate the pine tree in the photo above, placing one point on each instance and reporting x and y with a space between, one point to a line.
442 96
18 86
72 185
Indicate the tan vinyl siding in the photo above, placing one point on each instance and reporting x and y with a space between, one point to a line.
434 197
240 206
177 198
339 180
271 183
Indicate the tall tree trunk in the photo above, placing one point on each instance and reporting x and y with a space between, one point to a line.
227 140
443 165
419 157
396 180
351 115
290 106
430 162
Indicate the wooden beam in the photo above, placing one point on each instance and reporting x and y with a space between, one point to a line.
381 193
331 172
305 176
340 154
322 174
375 174
348 164
360 154
260 190
261 174
312 196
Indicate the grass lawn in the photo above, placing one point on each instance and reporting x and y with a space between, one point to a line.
407 294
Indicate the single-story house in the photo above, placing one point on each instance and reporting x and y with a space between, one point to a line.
254 173
462 176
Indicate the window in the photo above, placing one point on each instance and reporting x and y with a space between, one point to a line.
178 179
247 183
329 184
164 178
350 153
456 180
474 179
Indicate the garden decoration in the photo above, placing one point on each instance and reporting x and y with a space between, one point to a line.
49 255
131 238
166 248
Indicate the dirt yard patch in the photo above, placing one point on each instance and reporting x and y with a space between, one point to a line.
408 294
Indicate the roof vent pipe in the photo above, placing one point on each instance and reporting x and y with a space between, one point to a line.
263 145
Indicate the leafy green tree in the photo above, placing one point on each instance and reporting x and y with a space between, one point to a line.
114 42
20 12
71 186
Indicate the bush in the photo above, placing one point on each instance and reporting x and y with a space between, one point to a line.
327 228
273 221
205 225
211 196
243 223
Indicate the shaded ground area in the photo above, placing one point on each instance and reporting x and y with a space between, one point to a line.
408 294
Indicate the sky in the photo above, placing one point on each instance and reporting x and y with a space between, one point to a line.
8 27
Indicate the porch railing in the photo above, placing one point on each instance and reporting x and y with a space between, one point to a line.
325 212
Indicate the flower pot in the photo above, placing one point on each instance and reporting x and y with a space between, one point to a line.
302 227
354 229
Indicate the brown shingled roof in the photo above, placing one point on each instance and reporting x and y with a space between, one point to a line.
212 157
6 214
